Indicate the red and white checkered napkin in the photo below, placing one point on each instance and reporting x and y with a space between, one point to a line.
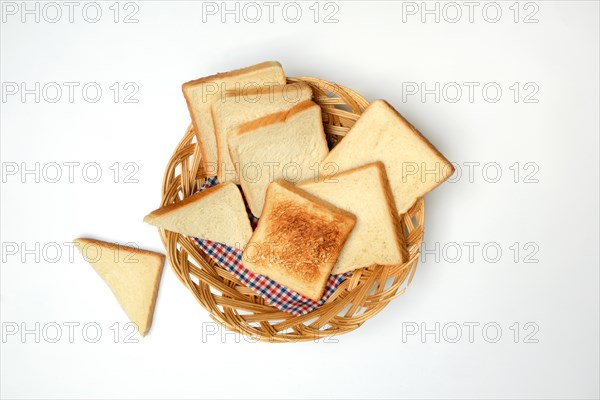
275 294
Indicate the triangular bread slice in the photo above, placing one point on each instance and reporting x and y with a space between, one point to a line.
237 108
414 166
364 191
217 213
286 145
298 239
132 274
201 93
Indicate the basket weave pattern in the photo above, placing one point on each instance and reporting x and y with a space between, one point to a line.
362 295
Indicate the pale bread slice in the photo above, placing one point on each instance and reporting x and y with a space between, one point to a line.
298 239
239 107
133 275
217 214
201 93
364 191
286 145
414 166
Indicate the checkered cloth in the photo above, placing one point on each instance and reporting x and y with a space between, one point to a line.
275 294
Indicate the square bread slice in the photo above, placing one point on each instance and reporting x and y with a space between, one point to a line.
364 191
237 108
414 167
133 275
286 145
217 213
201 93
298 240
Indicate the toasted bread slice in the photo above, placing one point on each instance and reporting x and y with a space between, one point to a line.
132 274
414 167
201 93
376 238
237 108
286 145
298 239
217 213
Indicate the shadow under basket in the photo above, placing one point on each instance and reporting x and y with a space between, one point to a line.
236 307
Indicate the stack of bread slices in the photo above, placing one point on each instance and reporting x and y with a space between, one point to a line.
320 211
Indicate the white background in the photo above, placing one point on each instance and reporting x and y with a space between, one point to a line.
372 50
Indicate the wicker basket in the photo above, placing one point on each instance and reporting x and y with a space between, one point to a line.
362 295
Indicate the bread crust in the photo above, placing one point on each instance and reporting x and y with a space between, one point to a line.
118 247
276 118
232 74
315 199
267 89
394 215
188 200
199 141
219 149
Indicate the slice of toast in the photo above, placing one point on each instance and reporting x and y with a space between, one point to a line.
286 145
414 167
298 239
132 274
376 238
201 93
217 213
239 107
